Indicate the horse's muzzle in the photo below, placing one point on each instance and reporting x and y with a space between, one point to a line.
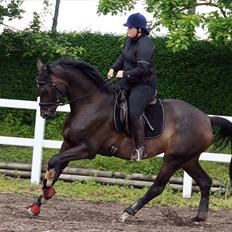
47 113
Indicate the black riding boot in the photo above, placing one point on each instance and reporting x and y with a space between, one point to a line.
138 136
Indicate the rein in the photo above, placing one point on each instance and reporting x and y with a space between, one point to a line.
72 100
58 101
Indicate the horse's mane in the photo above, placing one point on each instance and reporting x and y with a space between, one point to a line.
87 69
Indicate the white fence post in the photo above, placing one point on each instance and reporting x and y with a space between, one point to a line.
38 147
187 186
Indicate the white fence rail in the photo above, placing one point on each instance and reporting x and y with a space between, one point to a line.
38 142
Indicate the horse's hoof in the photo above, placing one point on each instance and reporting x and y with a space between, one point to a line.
124 216
34 210
49 193
198 219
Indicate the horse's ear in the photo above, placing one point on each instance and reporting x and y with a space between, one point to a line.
39 64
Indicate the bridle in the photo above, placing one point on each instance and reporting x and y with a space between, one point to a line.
56 93
60 101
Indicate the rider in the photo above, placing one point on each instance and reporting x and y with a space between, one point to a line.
135 68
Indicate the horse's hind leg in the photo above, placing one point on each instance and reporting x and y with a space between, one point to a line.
194 169
170 165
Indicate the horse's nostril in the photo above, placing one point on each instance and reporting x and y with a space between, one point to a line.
45 115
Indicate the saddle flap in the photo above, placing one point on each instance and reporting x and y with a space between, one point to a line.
153 116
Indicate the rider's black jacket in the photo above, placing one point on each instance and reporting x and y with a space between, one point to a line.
137 61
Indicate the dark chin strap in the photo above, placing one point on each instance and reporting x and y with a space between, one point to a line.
137 34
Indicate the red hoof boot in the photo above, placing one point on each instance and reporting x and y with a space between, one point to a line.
49 193
34 209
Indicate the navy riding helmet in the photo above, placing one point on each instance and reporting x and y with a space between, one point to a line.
137 20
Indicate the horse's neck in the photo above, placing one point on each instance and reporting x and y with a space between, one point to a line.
80 87
96 100
83 91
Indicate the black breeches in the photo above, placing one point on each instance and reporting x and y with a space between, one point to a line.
140 96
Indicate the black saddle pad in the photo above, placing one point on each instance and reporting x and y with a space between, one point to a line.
154 120
155 117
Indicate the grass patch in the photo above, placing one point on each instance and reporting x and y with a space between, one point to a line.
218 171
97 192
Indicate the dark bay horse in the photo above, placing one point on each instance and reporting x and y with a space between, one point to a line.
89 130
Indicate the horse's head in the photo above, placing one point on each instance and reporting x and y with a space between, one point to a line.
67 81
49 92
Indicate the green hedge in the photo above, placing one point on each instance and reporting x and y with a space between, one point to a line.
201 76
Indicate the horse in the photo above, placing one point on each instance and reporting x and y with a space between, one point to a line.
89 130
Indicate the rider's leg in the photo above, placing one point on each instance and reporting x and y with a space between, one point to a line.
138 136
139 97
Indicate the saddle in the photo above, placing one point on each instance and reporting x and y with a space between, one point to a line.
153 116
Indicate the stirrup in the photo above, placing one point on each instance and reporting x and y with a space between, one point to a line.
138 154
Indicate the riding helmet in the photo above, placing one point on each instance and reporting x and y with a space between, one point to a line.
137 20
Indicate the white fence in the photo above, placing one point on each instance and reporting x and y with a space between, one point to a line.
38 142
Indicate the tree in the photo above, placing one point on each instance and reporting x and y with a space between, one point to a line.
10 9
55 18
32 41
181 18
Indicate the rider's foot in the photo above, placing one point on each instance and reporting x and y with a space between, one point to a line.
138 154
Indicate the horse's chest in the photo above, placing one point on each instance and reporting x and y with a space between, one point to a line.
76 133
85 125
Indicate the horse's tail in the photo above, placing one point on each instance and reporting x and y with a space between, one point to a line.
223 136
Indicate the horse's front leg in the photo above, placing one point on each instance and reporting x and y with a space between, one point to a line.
58 162
51 176
55 167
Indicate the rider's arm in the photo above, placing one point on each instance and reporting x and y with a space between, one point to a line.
118 65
